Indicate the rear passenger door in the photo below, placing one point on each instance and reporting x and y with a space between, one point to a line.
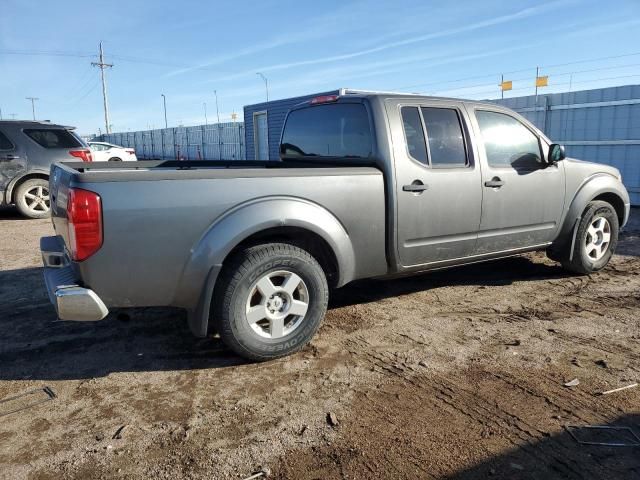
523 195
13 160
437 181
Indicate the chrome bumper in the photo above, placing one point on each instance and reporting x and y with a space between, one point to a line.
71 301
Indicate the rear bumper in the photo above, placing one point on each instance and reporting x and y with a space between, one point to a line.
71 301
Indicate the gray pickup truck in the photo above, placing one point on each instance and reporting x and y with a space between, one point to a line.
369 185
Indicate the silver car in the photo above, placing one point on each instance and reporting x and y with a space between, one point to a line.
27 151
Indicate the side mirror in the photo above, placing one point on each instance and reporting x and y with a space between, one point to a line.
556 153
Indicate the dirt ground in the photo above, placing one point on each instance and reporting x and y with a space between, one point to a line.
454 374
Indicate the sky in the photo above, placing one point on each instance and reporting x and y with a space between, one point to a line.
187 49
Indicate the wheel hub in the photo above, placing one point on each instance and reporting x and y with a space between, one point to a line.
37 199
598 238
277 304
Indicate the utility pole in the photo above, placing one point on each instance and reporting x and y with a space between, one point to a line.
0 114
33 105
13 116
266 83
164 102
215 92
206 121
102 66
501 86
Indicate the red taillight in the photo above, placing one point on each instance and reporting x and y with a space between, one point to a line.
84 154
324 99
130 151
84 214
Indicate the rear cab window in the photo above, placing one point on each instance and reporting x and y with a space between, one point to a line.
328 130
53 137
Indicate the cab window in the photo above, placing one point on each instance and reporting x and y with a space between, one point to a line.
444 134
414 134
444 145
332 130
507 142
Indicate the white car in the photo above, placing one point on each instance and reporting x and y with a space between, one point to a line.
107 152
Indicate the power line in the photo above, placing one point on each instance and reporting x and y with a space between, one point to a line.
47 53
553 75
148 61
529 69
601 79
59 53
81 82
95 83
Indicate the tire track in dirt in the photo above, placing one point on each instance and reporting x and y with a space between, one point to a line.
448 390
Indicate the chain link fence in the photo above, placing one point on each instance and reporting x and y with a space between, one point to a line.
220 141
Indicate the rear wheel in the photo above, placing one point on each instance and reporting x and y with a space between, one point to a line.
270 300
32 198
596 239
115 159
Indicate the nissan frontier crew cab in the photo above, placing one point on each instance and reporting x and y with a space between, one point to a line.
369 184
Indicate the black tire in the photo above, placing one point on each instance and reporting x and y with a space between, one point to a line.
115 159
581 261
236 289
25 202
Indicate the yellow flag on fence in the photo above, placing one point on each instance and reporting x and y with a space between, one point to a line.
506 85
542 81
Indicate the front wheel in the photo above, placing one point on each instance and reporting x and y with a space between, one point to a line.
596 239
270 300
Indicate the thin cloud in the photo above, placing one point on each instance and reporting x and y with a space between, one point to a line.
321 27
522 14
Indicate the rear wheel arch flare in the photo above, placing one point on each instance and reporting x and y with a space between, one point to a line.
11 192
303 238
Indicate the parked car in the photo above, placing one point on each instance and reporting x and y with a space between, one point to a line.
108 152
27 151
370 185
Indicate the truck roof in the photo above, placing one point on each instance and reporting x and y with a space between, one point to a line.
376 93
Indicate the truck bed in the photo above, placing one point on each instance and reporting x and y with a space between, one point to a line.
156 215
172 169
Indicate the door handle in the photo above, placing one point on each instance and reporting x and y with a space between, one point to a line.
415 187
495 182
9 157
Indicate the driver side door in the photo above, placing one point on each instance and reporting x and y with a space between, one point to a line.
523 195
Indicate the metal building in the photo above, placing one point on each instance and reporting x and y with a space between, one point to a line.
221 141
601 125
